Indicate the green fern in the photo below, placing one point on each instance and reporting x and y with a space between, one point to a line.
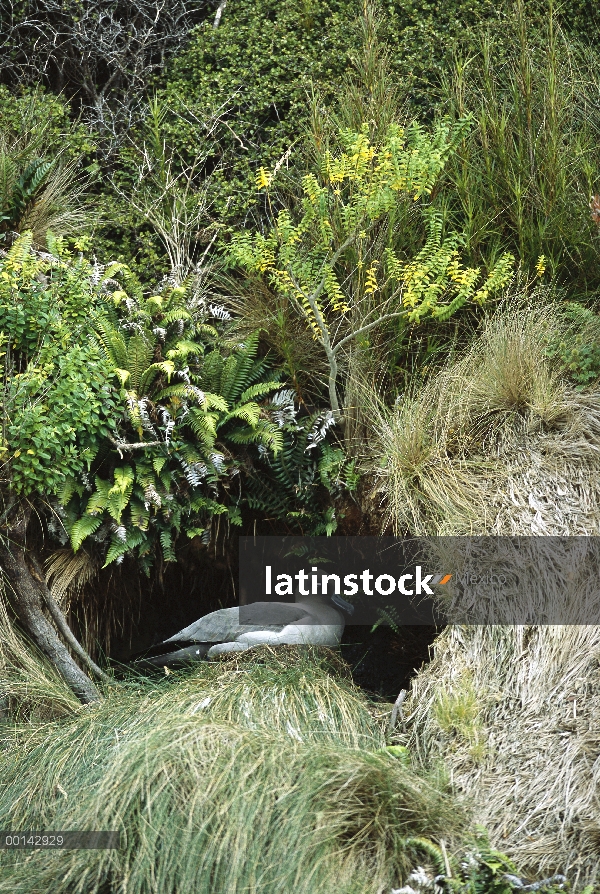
112 343
288 483
209 415
83 527
259 390
231 376
28 186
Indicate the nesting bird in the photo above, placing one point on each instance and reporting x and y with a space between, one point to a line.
311 620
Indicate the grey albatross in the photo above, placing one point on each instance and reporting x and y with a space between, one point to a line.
311 620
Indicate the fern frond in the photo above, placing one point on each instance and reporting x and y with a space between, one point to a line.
216 402
183 391
249 412
166 542
115 551
99 499
204 426
120 492
173 316
184 348
258 390
265 434
28 185
139 357
140 516
112 343
150 373
82 528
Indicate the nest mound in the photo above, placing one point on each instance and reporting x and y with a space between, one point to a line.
500 444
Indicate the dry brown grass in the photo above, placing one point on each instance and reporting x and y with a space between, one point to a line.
514 713
499 443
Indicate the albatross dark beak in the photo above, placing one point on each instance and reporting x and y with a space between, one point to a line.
341 603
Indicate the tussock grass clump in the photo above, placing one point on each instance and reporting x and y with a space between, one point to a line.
496 443
30 689
263 774
499 443
514 712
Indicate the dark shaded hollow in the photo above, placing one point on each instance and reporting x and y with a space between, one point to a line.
383 662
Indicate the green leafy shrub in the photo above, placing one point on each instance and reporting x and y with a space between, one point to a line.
578 351
131 414
335 260
57 400
48 117
254 72
179 452
298 482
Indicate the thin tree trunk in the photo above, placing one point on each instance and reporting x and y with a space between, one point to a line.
68 635
29 607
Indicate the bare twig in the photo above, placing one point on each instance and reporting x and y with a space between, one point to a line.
128 448
105 52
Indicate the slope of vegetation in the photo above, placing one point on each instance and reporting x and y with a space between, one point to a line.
287 267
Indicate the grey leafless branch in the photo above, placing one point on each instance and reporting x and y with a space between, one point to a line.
101 52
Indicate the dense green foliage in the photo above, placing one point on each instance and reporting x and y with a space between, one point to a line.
57 402
133 417
236 98
41 177
524 174
338 265
254 73
232 135
46 118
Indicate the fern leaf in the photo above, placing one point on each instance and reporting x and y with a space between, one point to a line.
120 492
204 426
184 348
116 549
67 491
112 343
150 373
139 358
157 463
167 546
216 402
140 516
99 499
258 390
249 412
173 316
82 528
